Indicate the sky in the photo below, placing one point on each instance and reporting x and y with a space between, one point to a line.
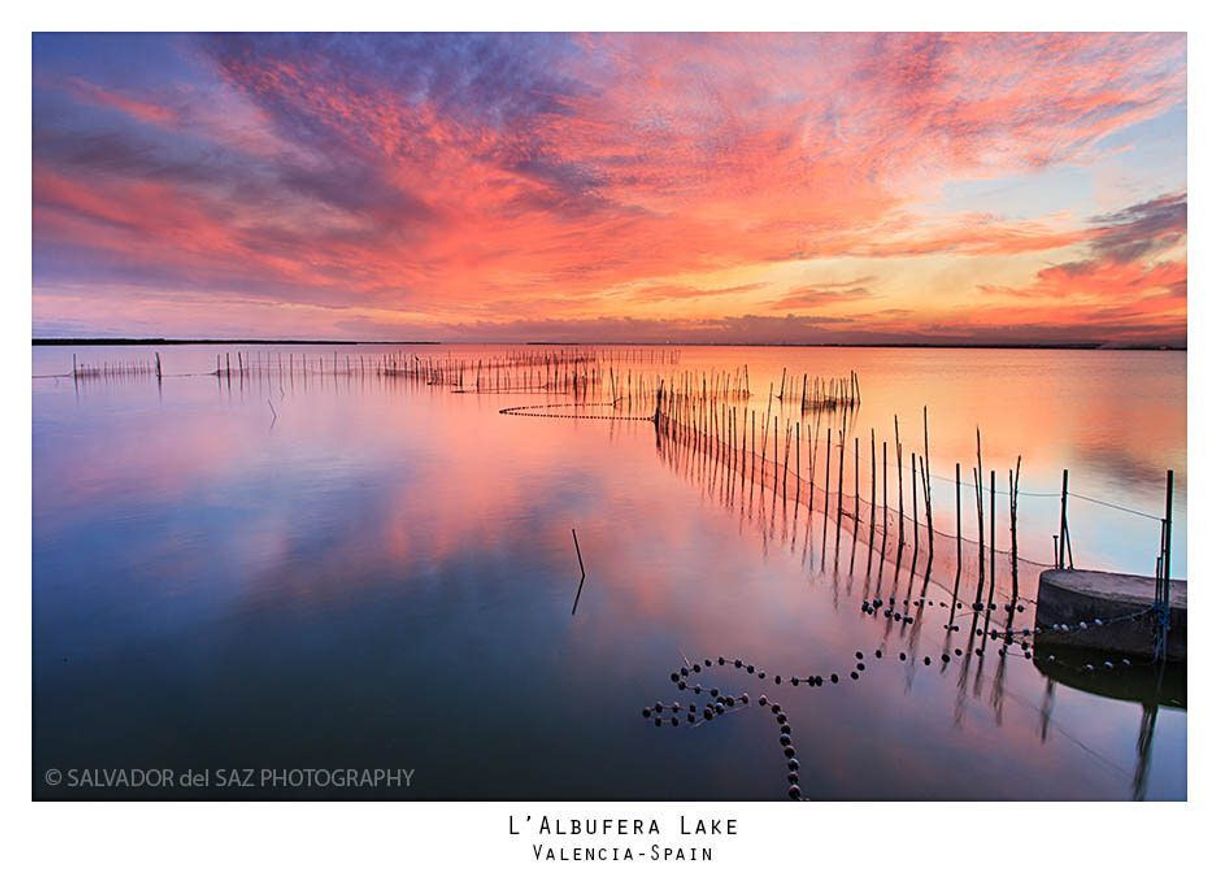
719 188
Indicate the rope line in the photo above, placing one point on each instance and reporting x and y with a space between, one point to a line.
532 411
1118 506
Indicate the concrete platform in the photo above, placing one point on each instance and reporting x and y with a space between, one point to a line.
1072 596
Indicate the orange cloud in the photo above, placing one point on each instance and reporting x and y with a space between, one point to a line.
500 179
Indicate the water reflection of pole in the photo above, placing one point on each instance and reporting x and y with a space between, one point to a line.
1046 708
1146 734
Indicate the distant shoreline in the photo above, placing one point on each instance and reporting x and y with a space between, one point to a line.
1065 346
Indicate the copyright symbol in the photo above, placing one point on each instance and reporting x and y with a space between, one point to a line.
53 777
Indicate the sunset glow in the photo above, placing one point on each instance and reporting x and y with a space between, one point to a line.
974 188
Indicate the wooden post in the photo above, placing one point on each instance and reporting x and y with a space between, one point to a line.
959 535
775 456
930 524
824 534
871 528
1061 525
1167 522
841 468
1013 478
896 426
884 476
930 528
856 486
993 517
798 452
980 474
578 555
753 477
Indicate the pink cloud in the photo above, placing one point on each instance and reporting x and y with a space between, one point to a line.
673 155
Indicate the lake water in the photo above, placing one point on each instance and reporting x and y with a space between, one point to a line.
348 570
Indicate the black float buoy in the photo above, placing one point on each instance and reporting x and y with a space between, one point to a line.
901 656
784 739
793 792
658 721
762 701
674 676
860 667
854 675
793 764
675 721
708 713
788 752
926 660
833 678
646 712
879 653
744 698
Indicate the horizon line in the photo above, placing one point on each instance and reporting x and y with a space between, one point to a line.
101 341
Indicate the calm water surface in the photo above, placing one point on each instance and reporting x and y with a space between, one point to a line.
358 572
